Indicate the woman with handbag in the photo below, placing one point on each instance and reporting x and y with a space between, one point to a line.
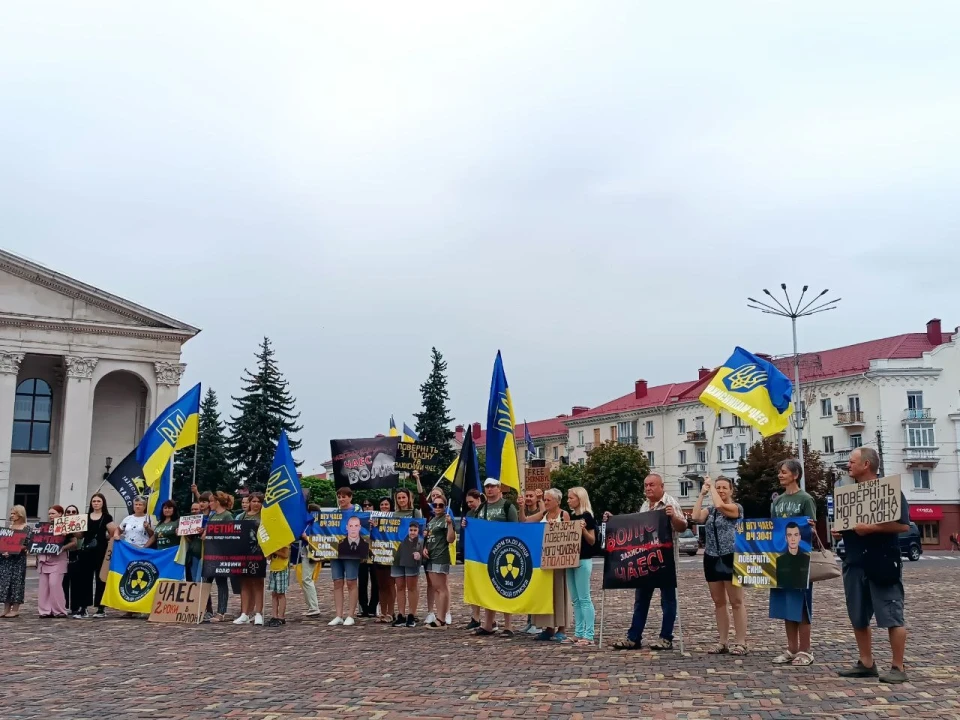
94 548
721 528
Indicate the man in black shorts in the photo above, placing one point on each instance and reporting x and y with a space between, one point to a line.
872 579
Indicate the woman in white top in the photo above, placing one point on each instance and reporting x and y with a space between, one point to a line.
135 529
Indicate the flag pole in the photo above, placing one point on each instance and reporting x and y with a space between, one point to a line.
603 597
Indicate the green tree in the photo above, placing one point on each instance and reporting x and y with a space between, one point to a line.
613 477
321 490
566 477
263 411
213 468
433 422
481 462
758 480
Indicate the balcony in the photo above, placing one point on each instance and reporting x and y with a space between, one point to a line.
695 470
627 440
917 415
588 447
922 457
849 418
697 436
842 457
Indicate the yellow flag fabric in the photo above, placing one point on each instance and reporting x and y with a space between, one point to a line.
134 575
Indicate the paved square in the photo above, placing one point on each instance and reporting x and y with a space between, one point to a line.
117 668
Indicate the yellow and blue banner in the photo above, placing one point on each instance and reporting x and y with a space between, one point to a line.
135 573
175 428
284 516
501 443
502 568
752 389
409 435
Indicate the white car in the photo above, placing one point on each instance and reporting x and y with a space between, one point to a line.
688 542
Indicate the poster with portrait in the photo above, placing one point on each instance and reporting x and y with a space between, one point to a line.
772 553
639 552
366 463
339 535
388 532
231 549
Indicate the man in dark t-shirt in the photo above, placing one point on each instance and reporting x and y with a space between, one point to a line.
793 567
871 579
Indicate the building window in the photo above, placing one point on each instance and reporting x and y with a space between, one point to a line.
556 452
743 450
29 497
856 441
649 428
921 479
915 400
698 423
614 436
685 488
921 435
681 426
31 417
826 407
828 443
737 422
583 462
579 438
682 457
803 410
853 403
702 455
719 453
929 533
729 448
650 461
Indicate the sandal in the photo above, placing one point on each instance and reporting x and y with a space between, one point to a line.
802 659
217 619
718 649
738 649
662 644
482 632
626 645
784 659
583 642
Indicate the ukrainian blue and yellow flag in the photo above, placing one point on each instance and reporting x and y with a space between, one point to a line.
134 574
501 444
284 516
502 571
752 389
393 428
409 435
175 428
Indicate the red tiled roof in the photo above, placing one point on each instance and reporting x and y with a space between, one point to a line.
538 429
657 395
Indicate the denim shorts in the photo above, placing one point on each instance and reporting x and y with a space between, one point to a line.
345 569
400 572
438 568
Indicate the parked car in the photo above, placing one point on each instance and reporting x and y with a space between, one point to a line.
909 544
688 542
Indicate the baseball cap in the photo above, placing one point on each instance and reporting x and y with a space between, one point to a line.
491 481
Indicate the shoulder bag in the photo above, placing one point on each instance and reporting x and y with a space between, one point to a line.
719 565
823 563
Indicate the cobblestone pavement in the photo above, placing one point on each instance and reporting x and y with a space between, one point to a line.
119 668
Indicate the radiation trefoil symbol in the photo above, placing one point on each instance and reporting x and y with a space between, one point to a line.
510 567
138 580
507 568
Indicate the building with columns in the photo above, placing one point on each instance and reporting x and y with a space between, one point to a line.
82 373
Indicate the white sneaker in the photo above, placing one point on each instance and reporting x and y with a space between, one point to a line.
532 630
311 613
349 621
258 619
242 620
335 621
430 618
448 619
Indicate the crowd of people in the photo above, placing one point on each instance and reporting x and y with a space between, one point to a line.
70 582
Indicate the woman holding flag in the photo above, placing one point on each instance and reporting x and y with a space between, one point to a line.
251 589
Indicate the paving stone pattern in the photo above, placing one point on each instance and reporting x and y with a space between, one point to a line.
120 668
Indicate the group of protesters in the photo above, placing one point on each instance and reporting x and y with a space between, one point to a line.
71 585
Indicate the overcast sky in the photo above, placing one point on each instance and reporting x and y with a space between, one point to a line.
593 188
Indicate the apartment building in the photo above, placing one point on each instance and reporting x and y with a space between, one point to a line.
900 395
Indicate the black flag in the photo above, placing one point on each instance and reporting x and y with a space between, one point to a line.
466 477
127 479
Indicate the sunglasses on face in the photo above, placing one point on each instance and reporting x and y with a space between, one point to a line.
439 506
73 512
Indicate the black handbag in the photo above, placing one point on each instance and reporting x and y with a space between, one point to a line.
91 544
719 565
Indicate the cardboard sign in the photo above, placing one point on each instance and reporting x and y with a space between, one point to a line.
179 602
11 541
44 542
69 524
537 478
561 545
876 501
190 525
416 456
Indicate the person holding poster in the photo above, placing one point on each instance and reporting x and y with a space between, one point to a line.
251 588
578 578
474 501
500 509
220 505
872 581
13 568
794 607
556 623
52 569
385 583
720 525
440 534
406 571
309 570
346 568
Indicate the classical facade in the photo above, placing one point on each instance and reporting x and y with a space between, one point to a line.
82 373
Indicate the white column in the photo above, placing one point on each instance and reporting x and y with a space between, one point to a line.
75 430
9 367
168 385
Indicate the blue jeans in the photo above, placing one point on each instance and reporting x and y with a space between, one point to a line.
641 606
195 566
578 582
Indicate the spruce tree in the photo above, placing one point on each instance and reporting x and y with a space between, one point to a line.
213 468
433 423
263 411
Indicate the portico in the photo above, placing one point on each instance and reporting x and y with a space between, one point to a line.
82 372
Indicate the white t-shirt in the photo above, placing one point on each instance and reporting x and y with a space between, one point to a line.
132 528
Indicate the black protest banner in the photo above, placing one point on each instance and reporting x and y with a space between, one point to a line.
11 541
416 457
231 549
366 463
44 542
639 552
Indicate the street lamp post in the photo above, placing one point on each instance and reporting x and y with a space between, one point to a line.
792 310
